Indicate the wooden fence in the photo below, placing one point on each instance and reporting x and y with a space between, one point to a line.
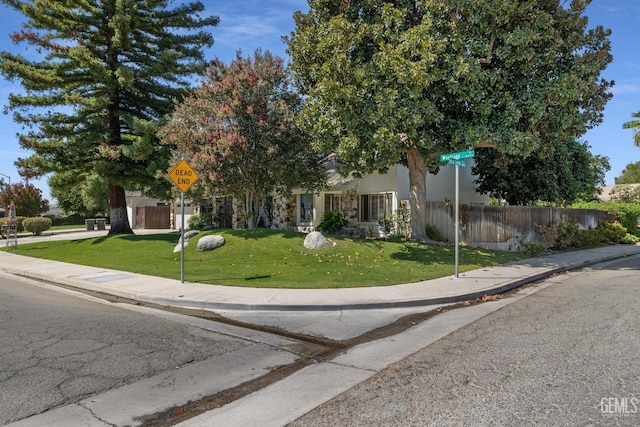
504 227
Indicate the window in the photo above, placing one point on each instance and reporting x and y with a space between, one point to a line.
306 208
374 207
332 202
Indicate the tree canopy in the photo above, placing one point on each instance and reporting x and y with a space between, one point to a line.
105 74
569 172
239 131
404 81
630 174
635 125
27 198
87 199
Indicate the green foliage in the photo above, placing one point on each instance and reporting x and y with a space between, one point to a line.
239 126
635 125
630 239
195 222
568 234
625 213
402 82
27 198
525 180
611 231
201 221
561 235
37 225
532 249
625 194
82 194
397 224
19 228
73 219
332 222
433 233
630 174
100 78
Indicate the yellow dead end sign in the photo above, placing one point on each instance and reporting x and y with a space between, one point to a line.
183 176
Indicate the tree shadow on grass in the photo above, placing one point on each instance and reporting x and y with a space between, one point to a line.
168 238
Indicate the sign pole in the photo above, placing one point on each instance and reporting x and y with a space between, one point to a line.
457 159
184 177
457 215
182 237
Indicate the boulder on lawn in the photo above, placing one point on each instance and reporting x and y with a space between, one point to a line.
315 240
187 235
209 243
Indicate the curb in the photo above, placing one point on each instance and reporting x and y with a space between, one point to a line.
243 306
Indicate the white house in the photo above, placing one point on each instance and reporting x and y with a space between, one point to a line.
364 201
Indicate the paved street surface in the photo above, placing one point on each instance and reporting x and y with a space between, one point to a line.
558 352
58 348
565 355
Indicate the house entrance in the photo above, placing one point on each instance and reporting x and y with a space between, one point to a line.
224 216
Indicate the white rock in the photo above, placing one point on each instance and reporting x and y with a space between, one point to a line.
209 243
315 240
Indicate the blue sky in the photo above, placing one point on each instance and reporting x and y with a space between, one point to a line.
251 24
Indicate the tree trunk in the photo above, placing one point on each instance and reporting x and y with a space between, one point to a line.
418 195
118 211
249 212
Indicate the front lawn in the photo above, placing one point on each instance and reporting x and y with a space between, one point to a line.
272 258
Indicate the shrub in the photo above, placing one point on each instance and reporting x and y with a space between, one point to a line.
561 235
194 222
567 234
200 221
37 225
630 239
625 213
611 231
332 222
396 224
73 219
433 233
20 228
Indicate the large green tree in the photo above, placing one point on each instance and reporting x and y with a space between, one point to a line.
87 199
635 125
565 174
630 174
239 131
108 72
404 81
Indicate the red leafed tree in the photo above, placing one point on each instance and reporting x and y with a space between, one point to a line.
238 131
27 198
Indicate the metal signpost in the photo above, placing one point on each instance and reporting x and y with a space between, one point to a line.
457 159
184 177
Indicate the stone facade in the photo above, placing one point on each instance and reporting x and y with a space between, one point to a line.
238 213
284 212
349 206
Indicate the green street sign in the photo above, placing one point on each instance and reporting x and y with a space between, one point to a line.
457 162
457 156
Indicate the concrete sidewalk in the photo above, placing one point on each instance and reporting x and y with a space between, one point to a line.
150 289
337 314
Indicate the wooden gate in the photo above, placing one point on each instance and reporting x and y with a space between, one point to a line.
152 217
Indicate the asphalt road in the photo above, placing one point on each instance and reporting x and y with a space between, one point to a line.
565 355
58 347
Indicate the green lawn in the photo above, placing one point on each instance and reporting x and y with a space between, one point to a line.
271 258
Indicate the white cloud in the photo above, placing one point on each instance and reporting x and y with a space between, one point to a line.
624 88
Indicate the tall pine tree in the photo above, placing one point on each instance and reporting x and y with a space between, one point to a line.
103 76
